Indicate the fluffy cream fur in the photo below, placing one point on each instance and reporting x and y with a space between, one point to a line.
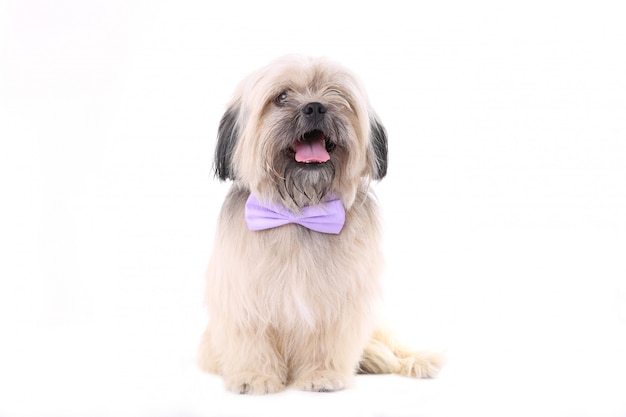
290 306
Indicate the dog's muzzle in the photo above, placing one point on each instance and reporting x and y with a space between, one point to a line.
314 146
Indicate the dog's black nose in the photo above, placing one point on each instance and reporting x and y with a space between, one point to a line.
314 110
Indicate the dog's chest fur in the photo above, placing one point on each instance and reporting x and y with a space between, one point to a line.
313 277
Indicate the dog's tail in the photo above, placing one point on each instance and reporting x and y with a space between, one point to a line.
383 355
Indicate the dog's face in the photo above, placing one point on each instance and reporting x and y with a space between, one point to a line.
299 130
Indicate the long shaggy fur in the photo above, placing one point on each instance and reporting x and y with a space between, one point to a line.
289 305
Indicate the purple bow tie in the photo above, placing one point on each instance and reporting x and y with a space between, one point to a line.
326 217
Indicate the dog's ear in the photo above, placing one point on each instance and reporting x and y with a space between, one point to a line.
227 136
378 140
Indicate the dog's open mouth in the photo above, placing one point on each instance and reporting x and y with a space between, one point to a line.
313 148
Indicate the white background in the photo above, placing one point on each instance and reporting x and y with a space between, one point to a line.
504 206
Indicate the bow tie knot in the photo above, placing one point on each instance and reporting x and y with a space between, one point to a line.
326 217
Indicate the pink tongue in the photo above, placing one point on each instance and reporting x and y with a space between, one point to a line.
312 150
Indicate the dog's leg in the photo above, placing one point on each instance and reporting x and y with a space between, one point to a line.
251 363
326 361
383 355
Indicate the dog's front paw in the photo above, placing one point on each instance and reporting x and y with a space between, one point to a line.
421 364
253 383
322 381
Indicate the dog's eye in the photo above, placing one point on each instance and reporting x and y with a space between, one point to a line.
280 99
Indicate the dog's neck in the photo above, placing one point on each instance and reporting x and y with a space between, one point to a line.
290 199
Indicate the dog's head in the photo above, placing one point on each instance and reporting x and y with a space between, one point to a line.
298 130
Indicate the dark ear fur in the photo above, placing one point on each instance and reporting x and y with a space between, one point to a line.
227 136
378 136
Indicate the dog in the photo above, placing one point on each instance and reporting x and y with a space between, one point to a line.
293 283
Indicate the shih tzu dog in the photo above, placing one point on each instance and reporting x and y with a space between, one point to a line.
294 278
